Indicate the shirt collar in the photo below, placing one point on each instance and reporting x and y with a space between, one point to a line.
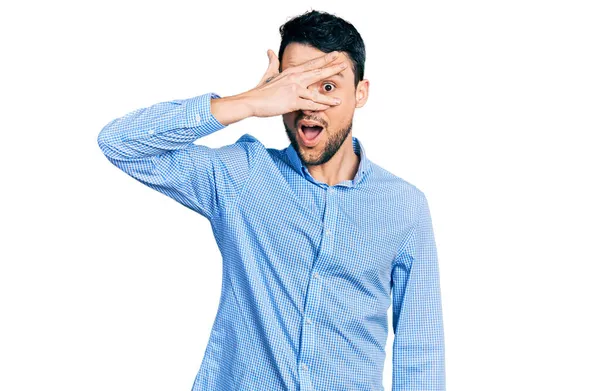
364 166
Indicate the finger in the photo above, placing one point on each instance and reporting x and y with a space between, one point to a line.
315 75
273 62
272 69
307 104
315 63
317 97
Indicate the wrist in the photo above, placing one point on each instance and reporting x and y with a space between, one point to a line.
231 109
247 103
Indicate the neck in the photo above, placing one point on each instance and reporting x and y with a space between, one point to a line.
341 167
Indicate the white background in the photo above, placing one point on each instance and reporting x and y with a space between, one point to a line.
491 108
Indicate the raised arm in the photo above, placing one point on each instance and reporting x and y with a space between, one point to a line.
155 146
418 347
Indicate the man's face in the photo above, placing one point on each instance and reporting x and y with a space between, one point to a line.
336 120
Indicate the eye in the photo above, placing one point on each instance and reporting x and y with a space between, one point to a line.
328 84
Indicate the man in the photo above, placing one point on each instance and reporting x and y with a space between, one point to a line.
317 240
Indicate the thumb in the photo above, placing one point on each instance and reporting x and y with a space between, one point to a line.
273 63
273 68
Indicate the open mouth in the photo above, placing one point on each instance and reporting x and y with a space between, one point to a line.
311 132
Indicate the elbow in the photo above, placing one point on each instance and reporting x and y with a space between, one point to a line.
103 142
106 138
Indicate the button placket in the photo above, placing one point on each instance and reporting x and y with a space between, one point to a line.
308 336
313 294
315 288
329 206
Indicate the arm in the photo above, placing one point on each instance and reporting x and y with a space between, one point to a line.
418 347
155 146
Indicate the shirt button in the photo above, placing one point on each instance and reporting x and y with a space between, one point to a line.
330 189
308 321
151 131
198 118
328 232
316 274
304 366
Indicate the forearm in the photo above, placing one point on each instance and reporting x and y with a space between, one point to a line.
231 109
418 364
158 129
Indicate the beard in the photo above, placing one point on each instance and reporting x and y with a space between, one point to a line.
333 143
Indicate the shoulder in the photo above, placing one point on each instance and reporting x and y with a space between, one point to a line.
246 147
400 187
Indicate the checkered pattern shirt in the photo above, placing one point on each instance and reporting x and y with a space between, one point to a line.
309 269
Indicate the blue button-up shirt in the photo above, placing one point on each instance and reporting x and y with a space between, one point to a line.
309 270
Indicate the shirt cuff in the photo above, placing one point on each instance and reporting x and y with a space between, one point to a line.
199 117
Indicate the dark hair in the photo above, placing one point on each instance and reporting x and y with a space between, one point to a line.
327 33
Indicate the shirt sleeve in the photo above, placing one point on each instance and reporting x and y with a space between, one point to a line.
155 146
418 346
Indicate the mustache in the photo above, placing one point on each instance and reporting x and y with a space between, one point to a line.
318 120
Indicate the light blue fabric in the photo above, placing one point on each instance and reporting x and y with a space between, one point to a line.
309 270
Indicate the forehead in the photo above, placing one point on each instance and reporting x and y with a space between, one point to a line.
297 53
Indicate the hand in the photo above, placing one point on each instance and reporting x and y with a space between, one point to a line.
280 93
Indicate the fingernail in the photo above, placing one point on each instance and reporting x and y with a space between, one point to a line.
337 101
334 54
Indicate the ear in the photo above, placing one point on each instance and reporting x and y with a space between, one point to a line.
362 93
